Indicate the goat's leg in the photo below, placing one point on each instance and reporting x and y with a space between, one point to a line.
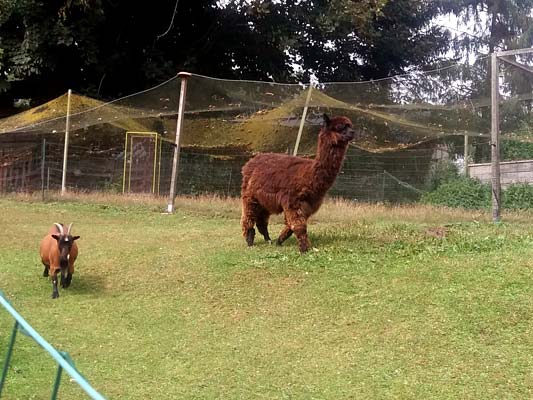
63 277
262 224
70 271
55 292
248 219
66 277
46 269
298 225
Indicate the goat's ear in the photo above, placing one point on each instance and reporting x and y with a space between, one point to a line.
75 238
56 237
326 119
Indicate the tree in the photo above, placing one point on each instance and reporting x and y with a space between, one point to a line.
496 24
42 42
111 48
352 40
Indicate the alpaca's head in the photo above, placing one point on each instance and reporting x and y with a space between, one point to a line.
337 130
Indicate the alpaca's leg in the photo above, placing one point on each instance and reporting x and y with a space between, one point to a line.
298 224
285 233
248 219
262 224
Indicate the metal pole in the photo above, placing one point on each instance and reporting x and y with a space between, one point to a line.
466 156
154 180
65 151
43 162
495 140
383 186
125 164
159 166
302 121
179 125
8 356
57 382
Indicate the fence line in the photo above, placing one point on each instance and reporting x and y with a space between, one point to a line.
62 358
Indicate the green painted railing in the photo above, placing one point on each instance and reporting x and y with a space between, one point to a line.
64 362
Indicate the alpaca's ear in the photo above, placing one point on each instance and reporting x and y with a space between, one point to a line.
326 119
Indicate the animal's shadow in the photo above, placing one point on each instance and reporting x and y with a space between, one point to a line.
87 284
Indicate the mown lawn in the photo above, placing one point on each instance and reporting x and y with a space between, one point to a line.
409 302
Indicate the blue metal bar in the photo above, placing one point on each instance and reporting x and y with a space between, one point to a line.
57 382
80 380
8 355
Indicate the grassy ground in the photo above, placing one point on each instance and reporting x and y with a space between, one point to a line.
408 302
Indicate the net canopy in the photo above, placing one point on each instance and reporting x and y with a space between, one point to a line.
394 113
50 117
408 122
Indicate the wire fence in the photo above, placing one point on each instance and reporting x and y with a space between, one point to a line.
379 177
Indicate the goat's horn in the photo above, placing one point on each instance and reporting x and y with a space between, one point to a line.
68 230
59 227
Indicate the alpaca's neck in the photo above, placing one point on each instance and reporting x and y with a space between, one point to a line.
328 162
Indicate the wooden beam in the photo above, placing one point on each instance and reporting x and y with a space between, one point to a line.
179 125
517 64
514 52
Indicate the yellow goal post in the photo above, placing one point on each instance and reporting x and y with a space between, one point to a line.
129 154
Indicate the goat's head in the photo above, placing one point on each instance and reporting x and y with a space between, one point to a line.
64 242
338 129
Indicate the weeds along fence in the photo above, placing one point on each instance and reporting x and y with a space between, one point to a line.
411 124
63 360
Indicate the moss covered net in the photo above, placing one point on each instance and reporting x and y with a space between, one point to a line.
408 123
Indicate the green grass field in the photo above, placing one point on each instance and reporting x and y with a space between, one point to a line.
408 302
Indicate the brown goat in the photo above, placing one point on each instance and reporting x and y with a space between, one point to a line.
58 253
275 183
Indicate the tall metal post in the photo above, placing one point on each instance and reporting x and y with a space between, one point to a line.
43 162
466 156
179 125
495 139
302 121
65 150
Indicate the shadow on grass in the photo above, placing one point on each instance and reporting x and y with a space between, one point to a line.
339 240
87 284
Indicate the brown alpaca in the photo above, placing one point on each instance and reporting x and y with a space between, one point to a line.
275 183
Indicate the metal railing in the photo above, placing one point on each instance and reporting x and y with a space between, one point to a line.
62 358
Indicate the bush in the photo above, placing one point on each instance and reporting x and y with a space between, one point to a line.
470 193
516 150
442 172
460 192
518 197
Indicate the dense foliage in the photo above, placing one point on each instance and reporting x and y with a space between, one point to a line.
469 193
516 150
518 197
460 192
110 48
